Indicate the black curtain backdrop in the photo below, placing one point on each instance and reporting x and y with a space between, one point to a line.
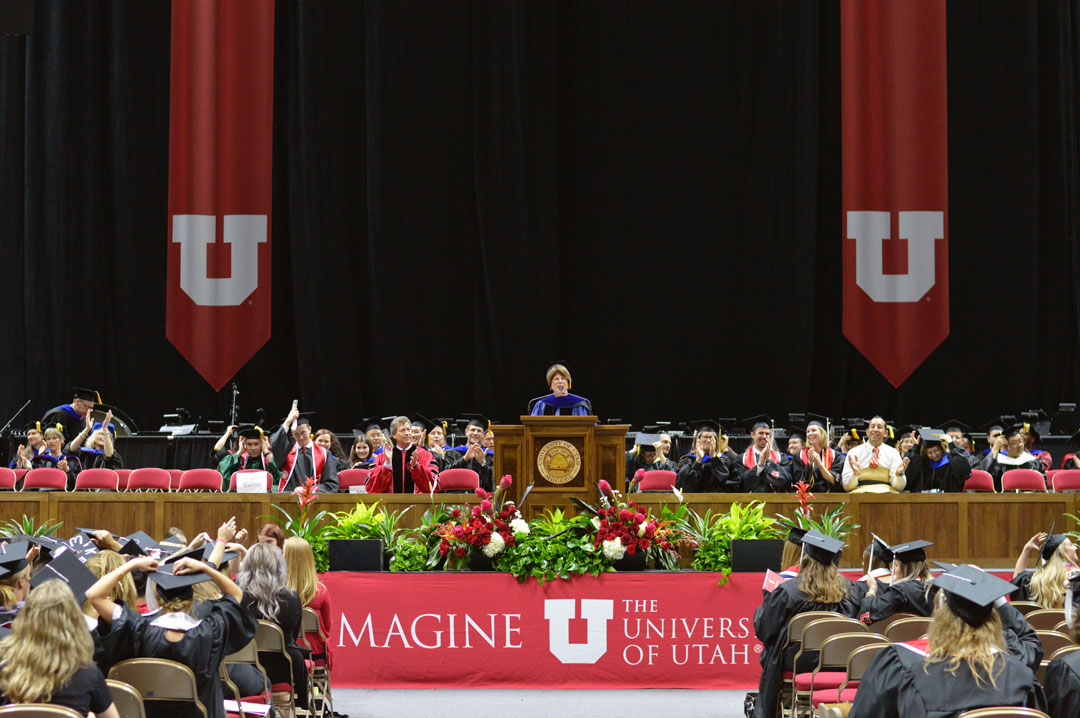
464 191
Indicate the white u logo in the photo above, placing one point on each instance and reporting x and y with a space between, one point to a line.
920 229
558 613
194 232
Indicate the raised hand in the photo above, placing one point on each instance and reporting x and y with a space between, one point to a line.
227 531
903 465
854 464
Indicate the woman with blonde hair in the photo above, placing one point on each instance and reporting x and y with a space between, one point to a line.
300 566
15 584
908 590
965 666
104 562
1046 584
818 464
818 587
48 658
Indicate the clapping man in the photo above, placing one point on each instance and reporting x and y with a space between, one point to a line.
874 467
473 455
301 458
402 467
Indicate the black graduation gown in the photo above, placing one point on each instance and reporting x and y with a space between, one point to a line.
1062 686
775 476
904 597
899 684
949 476
810 474
996 469
712 476
1021 640
225 629
770 626
1023 582
282 442
70 422
485 471
634 463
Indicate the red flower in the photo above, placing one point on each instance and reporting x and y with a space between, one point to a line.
458 532
475 510
456 513
624 515
644 543
460 551
485 505
639 516
666 545
631 549
605 487
481 493
444 547
506 482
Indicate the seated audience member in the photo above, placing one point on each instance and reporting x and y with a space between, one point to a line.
1008 453
1031 437
964 666
48 658
818 587
1062 684
906 443
256 455
300 564
791 557
374 431
762 468
361 455
35 444
15 583
818 464
329 441
796 441
938 465
267 596
560 402
94 445
646 456
300 458
271 533
708 468
225 446
69 417
54 457
473 455
1046 585
960 434
874 467
436 444
402 468
908 590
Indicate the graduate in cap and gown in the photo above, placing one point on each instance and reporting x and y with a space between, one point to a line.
938 465
762 468
960 433
647 455
708 468
472 454
71 416
560 402
1046 584
818 464
818 587
963 665
252 456
15 559
1009 452
35 445
909 589
1031 437
437 444
300 458
1062 681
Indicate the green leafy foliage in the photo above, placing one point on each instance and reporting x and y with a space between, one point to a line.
409 556
715 533
369 522
27 526
833 523
557 547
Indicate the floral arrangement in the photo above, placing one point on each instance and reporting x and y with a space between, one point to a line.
489 526
832 522
622 528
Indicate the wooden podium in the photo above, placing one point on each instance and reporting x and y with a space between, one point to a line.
561 456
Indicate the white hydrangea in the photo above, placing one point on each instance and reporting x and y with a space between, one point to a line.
595 522
641 529
495 546
519 526
614 549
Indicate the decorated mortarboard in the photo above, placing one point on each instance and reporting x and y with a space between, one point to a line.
86 394
647 441
823 549
140 544
795 533
756 422
13 557
46 545
911 551
67 567
89 533
971 593
250 432
1052 543
171 586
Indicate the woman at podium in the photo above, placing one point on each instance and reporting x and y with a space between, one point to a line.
560 402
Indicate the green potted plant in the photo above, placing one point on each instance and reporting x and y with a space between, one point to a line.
363 539
715 535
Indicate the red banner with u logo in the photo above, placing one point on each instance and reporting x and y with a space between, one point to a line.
220 168
895 181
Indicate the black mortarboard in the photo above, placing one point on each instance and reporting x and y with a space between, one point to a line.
420 420
659 427
932 436
797 432
195 553
68 568
856 428
1013 430
369 423
911 551
37 426
171 586
480 420
971 593
46 544
139 544
209 549
795 533
1000 422
302 419
250 432
705 425
13 557
955 425
89 533
86 394
1029 428
823 549
1053 541
647 441
756 422
880 550
905 430
817 420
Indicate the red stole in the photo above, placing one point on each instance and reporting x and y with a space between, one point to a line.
318 453
748 457
827 457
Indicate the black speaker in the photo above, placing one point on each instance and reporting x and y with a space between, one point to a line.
16 17
356 554
756 555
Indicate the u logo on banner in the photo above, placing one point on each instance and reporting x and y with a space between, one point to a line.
558 613
194 232
920 229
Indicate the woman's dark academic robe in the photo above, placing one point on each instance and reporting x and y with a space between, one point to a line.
948 474
1023 593
904 597
809 473
1063 686
771 625
997 469
634 462
899 684
225 629
714 475
1021 640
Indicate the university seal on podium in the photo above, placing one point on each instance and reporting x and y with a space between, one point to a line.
559 461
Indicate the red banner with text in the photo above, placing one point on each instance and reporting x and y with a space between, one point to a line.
895 181
620 630
220 167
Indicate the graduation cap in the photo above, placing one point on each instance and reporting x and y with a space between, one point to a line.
699 425
13 558
303 419
971 593
479 420
756 422
171 586
856 428
796 432
911 551
952 425
209 549
817 420
367 424
37 426
251 432
86 394
823 549
795 533
1053 541
932 436
418 419
195 553
1013 430
647 442
659 427
139 544
68 568
880 550
444 422
1029 429
46 545
906 430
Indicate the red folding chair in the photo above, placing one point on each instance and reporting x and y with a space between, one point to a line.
19 474
97 479
7 478
457 480
979 481
658 480
45 478
200 480
148 479
1065 480
352 477
1065 461
174 478
1023 480
269 478
122 475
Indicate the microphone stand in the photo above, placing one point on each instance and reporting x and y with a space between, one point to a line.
5 431
232 413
